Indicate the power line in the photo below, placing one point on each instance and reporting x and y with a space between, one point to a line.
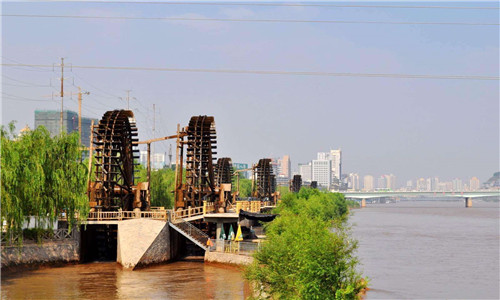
284 5
25 82
261 72
19 98
249 20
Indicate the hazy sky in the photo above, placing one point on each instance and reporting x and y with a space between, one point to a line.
409 127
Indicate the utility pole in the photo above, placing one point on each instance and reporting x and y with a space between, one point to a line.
62 92
128 99
154 125
80 113
170 156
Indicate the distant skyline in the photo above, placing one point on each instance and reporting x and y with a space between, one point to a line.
411 128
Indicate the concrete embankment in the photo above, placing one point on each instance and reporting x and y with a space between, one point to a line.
227 258
33 255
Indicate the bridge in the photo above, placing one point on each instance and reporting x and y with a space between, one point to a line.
468 196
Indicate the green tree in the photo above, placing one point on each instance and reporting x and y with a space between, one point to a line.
162 185
308 253
42 176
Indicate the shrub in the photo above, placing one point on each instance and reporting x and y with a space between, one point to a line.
308 253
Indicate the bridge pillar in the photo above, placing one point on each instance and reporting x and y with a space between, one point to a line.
363 202
468 202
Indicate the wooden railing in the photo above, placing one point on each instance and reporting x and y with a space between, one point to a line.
126 215
158 213
251 206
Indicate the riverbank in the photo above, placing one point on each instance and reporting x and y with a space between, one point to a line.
228 258
32 256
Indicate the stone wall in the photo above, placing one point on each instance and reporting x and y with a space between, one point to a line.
227 258
142 242
33 255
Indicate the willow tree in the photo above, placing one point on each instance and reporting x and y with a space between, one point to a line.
41 176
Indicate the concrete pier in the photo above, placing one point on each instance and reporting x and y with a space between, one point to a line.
468 202
142 242
363 202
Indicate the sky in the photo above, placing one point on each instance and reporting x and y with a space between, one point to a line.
410 127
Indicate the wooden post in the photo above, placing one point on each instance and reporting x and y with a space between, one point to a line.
149 164
91 155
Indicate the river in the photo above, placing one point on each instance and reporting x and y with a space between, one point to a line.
429 249
417 249
107 280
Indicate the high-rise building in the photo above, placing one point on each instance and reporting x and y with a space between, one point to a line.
353 181
51 120
421 185
390 182
143 158
381 182
242 166
158 161
335 156
474 184
305 171
368 183
457 184
409 185
322 172
284 167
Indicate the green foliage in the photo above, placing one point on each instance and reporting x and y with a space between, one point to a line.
42 176
162 185
308 253
245 187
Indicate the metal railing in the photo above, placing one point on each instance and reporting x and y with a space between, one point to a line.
192 231
228 246
60 234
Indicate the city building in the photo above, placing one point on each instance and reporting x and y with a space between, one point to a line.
390 182
242 166
285 167
368 183
305 171
474 184
322 172
335 157
457 184
353 182
51 120
382 182
158 161
409 185
421 185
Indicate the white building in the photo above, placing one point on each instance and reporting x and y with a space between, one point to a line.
322 172
368 183
474 184
353 182
335 157
305 171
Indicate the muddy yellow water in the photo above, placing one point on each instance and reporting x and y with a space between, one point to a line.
107 280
